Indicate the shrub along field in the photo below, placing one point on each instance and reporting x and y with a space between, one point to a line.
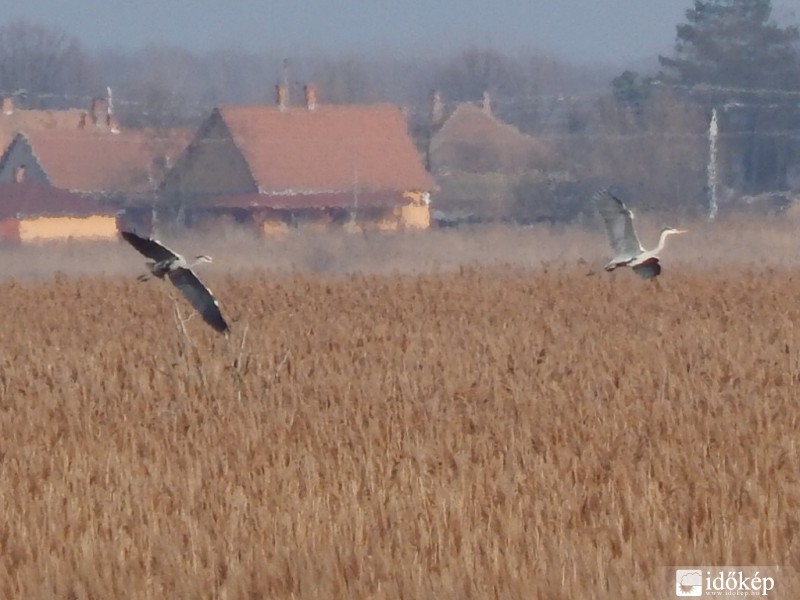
488 432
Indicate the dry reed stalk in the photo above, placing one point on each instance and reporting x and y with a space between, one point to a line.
493 432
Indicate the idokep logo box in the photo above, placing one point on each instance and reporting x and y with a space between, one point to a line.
725 581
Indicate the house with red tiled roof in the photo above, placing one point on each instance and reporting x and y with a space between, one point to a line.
487 169
473 140
35 212
38 196
92 157
321 162
127 163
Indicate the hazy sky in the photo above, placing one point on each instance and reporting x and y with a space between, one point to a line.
577 30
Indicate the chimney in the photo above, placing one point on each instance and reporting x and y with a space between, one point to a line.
19 174
311 96
113 125
282 96
82 121
8 105
487 103
437 108
110 103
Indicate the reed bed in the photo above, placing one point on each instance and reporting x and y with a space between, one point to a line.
485 432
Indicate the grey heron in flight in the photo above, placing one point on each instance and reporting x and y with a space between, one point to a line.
628 251
164 261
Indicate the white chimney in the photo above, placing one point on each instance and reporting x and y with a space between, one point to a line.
282 96
437 108
311 96
487 103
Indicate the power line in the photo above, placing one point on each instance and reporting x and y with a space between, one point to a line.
707 88
133 108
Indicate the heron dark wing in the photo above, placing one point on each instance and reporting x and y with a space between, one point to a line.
619 224
649 269
199 296
152 249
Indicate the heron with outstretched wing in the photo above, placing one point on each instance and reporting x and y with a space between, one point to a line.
164 262
628 251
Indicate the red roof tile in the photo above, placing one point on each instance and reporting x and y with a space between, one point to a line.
91 161
330 148
35 120
473 140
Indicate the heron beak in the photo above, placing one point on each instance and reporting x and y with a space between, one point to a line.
682 231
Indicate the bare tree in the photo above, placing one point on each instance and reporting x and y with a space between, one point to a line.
658 153
344 80
161 87
477 70
46 65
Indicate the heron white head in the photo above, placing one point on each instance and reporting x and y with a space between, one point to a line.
672 230
203 258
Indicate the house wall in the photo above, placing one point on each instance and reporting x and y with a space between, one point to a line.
388 224
62 228
211 165
9 230
317 221
411 216
17 155
270 227
270 222
415 216
375 219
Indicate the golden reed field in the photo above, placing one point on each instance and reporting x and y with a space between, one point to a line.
480 419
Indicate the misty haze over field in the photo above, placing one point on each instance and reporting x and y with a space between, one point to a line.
617 93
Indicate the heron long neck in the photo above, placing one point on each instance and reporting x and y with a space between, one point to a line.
662 241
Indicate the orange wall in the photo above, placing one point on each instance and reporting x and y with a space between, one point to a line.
62 228
415 216
274 227
409 216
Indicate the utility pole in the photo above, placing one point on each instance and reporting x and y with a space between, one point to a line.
711 168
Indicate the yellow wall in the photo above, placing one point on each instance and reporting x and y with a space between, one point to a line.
62 228
409 216
274 227
415 216
318 221
384 225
